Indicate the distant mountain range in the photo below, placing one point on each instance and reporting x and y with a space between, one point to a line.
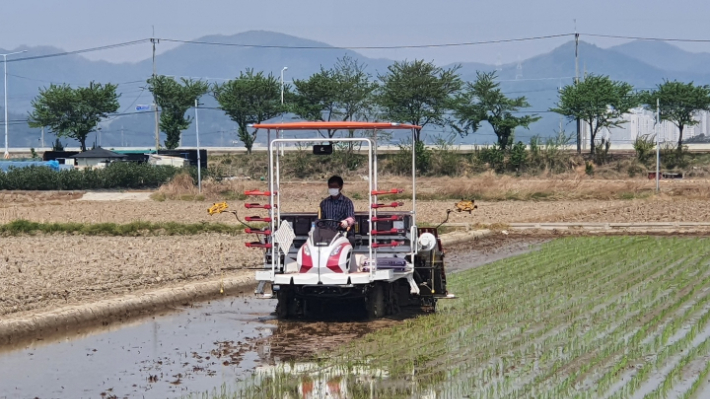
643 64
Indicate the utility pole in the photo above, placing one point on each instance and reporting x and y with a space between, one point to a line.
576 82
122 141
658 146
4 56
155 101
197 139
42 137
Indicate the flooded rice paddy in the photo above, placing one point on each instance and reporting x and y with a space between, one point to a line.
588 317
192 348
189 349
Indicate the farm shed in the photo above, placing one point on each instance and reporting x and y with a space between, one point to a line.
98 157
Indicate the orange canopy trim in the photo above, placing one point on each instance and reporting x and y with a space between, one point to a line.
334 125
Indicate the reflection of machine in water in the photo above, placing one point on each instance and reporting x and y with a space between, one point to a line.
292 341
315 381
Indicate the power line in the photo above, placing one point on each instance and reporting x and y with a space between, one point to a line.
86 50
432 45
658 39
134 100
49 81
460 44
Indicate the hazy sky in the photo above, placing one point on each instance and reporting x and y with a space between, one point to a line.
76 24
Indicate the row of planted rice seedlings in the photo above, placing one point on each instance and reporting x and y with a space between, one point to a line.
569 316
625 326
676 373
644 364
655 291
516 360
435 323
697 357
566 319
561 291
567 350
508 326
638 349
672 359
698 383
626 348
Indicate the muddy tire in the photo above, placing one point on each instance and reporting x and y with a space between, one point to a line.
428 304
284 306
375 302
391 300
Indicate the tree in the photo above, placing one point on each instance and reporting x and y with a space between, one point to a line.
316 98
483 100
679 103
73 113
174 99
343 93
250 98
598 101
418 92
356 89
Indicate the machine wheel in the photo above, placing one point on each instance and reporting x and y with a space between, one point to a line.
375 302
391 300
287 305
428 304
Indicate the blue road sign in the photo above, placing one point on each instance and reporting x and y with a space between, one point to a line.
143 107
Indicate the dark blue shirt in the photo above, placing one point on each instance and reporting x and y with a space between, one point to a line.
338 208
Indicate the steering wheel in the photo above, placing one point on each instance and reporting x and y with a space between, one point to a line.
323 224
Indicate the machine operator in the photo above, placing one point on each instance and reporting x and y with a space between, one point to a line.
339 207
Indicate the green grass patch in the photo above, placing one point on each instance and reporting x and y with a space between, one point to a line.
628 195
578 318
138 228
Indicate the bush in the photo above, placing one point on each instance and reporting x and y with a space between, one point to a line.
494 156
672 157
635 169
120 175
550 155
601 152
402 161
518 157
443 161
644 146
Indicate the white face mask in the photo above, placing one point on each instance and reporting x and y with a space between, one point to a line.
333 191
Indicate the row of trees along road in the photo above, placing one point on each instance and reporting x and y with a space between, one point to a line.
415 92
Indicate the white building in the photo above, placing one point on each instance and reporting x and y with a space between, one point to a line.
96 158
641 122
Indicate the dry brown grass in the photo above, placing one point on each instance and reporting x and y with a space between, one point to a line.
492 187
183 187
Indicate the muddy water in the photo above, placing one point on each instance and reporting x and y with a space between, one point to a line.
190 349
